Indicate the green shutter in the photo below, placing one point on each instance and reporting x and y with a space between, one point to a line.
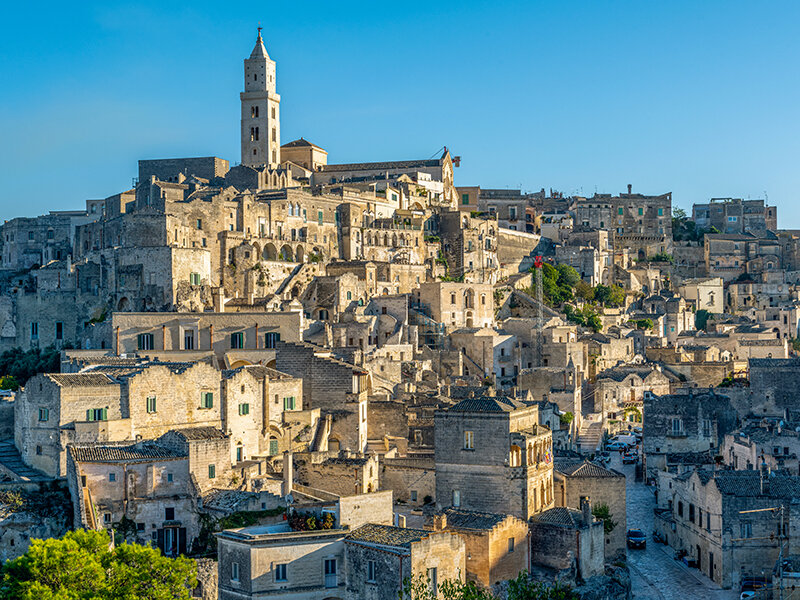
212 471
88 415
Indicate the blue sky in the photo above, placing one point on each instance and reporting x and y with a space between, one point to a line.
697 98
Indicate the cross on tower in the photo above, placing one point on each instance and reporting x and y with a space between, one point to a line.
259 29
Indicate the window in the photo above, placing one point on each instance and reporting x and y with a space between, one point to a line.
677 426
51 233
169 477
452 298
273 446
235 571
745 530
59 330
456 498
680 509
271 339
244 409
151 404
106 517
464 198
212 471
44 414
237 340
372 568
433 584
144 341
239 454
413 495
511 544
319 217
39 450
641 212
706 427
280 573
112 477
34 331
199 223
469 440
207 400
194 278
691 513
97 414
188 340
619 211
30 235
288 403
169 513
660 212
329 566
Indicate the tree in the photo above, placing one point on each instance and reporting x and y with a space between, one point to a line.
612 295
567 276
584 291
602 512
419 588
9 382
22 365
701 318
82 565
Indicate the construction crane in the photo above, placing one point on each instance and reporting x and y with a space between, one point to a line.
537 264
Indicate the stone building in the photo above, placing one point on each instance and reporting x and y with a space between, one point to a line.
564 538
734 215
144 491
457 305
497 546
691 420
574 479
492 455
339 389
38 240
469 246
704 521
618 393
380 558
261 561
759 445
234 338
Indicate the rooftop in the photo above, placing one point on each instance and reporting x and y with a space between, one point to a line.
386 535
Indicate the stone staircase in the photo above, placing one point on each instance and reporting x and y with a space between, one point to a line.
590 436
11 464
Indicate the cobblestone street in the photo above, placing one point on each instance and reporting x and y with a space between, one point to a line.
655 574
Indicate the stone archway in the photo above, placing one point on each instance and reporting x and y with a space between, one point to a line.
270 252
299 253
286 253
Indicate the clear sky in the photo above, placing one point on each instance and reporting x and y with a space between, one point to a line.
697 98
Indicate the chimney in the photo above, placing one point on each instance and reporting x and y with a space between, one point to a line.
288 473
439 522
630 187
586 510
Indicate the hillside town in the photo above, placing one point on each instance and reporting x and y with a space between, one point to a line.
324 380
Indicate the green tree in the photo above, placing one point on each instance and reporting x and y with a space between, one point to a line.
567 276
419 588
9 382
584 291
701 319
525 588
82 566
796 345
602 512
22 365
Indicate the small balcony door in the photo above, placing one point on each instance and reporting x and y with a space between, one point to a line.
331 580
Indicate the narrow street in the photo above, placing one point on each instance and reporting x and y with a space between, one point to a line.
655 574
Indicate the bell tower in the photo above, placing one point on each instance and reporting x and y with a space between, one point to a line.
261 124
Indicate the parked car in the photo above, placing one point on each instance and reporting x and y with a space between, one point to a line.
618 446
636 538
630 458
